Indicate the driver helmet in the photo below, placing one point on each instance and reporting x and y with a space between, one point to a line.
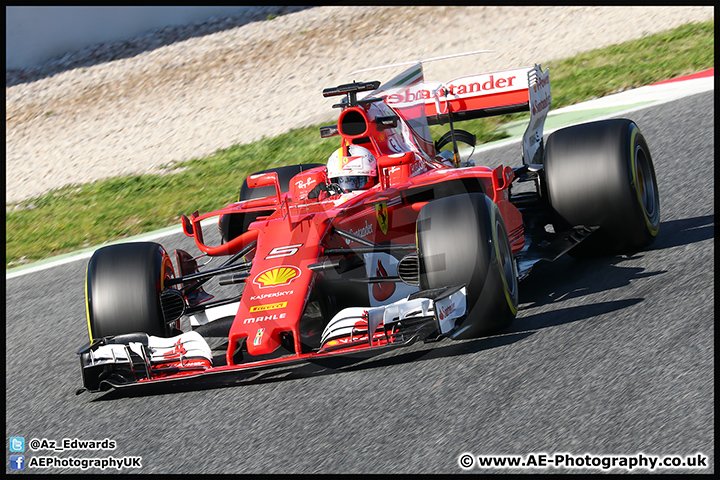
352 169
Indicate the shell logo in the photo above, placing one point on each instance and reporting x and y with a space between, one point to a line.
276 277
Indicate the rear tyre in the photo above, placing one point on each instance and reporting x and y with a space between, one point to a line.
601 173
462 239
122 289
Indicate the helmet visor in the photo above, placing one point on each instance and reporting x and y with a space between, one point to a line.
355 182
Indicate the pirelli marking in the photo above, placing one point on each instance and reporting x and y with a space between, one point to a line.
273 306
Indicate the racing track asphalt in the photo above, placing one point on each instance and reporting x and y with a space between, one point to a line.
607 356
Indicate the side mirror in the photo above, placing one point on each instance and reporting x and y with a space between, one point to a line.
187 225
395 168
263 180
389 121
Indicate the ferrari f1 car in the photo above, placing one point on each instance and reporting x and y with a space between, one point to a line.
311 268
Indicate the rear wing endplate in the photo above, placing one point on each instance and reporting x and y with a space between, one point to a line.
539 99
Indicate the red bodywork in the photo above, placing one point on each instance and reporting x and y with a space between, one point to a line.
304 229
298 233
321 267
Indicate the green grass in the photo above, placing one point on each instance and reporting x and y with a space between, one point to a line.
681 51
75 217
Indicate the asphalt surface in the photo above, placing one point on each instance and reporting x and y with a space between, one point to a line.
610 356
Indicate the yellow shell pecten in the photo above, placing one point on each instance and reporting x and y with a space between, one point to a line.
277 276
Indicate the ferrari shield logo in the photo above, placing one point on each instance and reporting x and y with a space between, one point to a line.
383 217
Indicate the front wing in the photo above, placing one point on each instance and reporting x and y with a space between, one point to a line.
140 359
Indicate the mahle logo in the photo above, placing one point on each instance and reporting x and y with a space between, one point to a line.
276 277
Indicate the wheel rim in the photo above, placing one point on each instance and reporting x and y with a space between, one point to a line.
167 273
645 184
506 259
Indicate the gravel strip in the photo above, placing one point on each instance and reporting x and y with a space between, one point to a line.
184 92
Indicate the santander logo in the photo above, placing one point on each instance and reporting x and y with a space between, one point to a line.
470 86
540 98
444 312
177 351
541 105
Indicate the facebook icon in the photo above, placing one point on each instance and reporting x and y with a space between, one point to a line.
17 462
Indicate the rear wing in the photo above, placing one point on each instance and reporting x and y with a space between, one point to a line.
484 95
475 96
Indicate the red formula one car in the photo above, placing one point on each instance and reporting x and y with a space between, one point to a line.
394 240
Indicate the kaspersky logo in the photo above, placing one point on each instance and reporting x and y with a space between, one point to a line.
276 277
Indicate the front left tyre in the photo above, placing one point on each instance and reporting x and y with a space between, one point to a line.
122 290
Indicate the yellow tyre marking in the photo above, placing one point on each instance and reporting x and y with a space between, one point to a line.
496 241
87 303
633 160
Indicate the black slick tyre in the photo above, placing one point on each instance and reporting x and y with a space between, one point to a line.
122 289
462 239
601 173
